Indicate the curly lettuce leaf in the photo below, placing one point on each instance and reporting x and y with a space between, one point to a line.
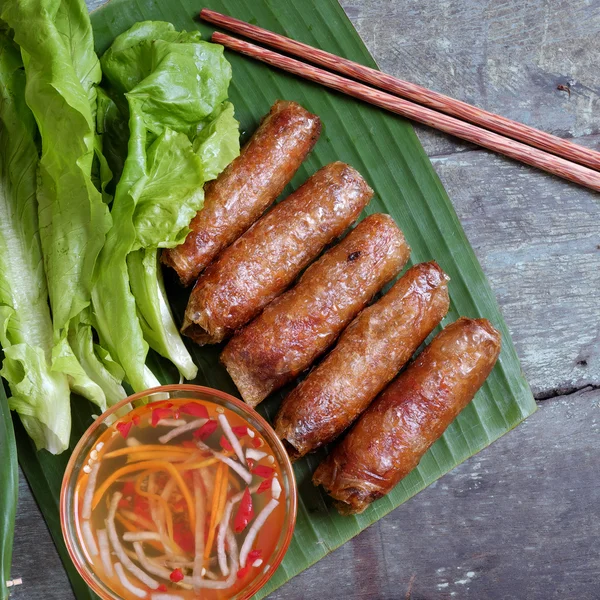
172 86
55 41
217 142
155 313
39 394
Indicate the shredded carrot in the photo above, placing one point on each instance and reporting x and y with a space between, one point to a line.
142 466
149 448
218 505
176 457
192 466
157 498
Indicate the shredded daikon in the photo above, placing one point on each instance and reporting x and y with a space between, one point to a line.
105 552
226 583
165 597
154 568
88 536
255 528
141 536
118 548
243 473
257 562
171 422
136 591
131 441
223 527
275 488
167 437
235 443
168 489
199 533
255 454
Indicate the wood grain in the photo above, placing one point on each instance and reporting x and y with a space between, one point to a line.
415 112
521 517
408 90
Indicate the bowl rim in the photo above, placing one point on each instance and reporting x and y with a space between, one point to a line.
85 571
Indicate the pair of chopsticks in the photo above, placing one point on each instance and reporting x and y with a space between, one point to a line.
515 140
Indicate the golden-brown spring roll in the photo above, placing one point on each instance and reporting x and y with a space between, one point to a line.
368 355
266 260
300 325
247 187
392 435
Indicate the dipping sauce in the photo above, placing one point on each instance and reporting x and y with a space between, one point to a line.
179 499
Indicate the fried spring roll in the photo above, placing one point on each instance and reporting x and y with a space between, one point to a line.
390 438
368 355
265 261
247 187
300 325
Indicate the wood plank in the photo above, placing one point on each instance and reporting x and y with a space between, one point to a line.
536 236
519 520
505 56
537 239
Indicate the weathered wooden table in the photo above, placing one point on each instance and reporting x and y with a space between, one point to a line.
521 520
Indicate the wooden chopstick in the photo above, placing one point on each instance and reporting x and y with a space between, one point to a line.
466 131
416 93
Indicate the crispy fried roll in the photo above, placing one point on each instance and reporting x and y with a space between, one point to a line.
247 187
368 355
390 438
266 260
300 325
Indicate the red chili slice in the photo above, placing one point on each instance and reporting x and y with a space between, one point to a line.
184 538
240 430
224 443
250 463
243 571
207 429
123 503
254 554
265 485
136 420
263 471
124 428
176 575
245 512
162 588
128 488
194 409
256 442
158 414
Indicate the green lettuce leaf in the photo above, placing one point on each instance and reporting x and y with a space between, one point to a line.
55 41
155 313
217 143
62 73
96 361
172 86
39 394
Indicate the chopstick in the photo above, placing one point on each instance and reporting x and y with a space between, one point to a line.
416 93
466 131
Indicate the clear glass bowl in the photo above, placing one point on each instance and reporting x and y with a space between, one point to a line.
90 438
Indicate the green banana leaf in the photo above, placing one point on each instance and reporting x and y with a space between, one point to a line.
385 149
9 488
